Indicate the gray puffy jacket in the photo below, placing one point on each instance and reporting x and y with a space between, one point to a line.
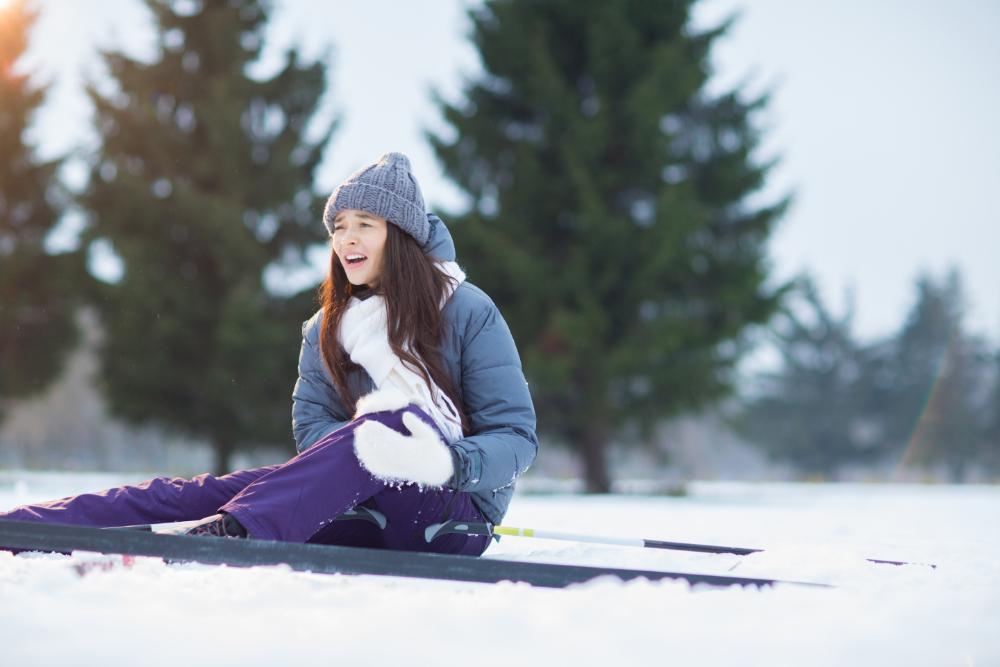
479 353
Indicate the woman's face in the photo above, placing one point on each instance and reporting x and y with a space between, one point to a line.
358 242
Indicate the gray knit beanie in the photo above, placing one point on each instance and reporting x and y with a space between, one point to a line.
387 189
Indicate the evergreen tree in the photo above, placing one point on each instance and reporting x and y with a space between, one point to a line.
203 181
936 405
991 433
37 289
816 410
609 214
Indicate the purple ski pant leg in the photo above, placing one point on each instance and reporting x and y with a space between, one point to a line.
158 500
298 501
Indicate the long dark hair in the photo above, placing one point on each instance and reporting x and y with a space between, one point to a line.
413 288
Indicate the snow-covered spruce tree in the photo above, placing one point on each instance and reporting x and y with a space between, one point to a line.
202 181
609 213
38 291
818 410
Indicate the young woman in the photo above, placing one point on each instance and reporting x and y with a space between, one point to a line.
410 400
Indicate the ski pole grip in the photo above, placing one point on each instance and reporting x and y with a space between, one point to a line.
435 530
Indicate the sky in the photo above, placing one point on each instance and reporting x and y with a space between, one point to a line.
882 114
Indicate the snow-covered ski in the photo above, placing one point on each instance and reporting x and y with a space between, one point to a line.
334 559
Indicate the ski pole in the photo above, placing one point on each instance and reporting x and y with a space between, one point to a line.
481 528
436 530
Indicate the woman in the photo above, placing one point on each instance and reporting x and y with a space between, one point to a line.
410 400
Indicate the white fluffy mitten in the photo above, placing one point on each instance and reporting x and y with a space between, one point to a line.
420 457
387 398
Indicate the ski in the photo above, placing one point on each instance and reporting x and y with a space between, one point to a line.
327 559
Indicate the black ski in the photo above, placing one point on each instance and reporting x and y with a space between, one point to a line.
332 559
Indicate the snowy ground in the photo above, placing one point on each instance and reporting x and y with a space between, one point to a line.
190 614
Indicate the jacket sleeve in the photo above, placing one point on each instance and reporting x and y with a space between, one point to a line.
495 393
316 407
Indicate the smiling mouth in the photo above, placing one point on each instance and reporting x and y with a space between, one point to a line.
353 261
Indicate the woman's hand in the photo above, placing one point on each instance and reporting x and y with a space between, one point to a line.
420 457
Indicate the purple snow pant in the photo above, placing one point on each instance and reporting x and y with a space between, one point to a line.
296 501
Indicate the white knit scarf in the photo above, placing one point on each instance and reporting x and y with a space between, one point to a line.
364 336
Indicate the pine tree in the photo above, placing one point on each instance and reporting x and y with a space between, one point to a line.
816 410
203 181
38 290
991 432
609 215
936 407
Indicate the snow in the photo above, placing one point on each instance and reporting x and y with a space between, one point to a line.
153 614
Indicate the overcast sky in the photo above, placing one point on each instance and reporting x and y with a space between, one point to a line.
884 113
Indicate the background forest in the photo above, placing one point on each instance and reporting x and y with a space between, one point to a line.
613 202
